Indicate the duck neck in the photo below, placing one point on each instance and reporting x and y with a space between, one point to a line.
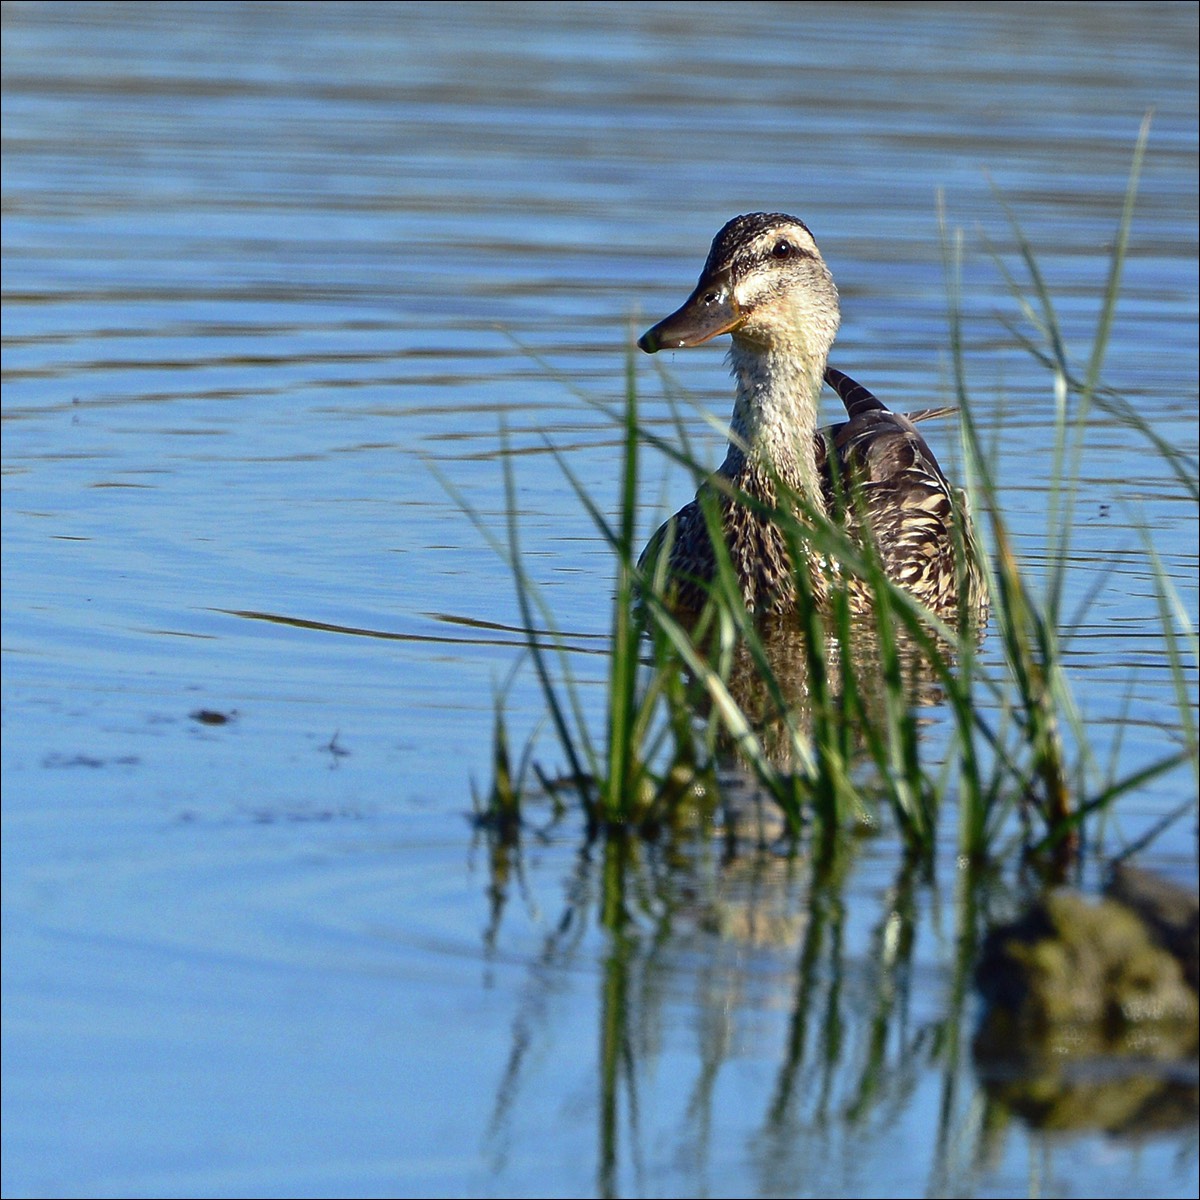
774 420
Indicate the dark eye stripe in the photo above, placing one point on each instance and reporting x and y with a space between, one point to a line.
772 254
748 260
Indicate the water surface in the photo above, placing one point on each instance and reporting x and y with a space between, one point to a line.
266 266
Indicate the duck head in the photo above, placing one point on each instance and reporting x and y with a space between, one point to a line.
765 283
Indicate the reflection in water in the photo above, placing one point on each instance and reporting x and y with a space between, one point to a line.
747 934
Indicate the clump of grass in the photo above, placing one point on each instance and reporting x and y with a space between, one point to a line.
651 756
848 740
1032 769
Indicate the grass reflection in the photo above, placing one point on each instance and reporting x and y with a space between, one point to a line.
759 943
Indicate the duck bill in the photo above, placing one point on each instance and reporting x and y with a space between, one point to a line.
710 310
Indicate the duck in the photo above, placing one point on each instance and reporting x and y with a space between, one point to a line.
766 284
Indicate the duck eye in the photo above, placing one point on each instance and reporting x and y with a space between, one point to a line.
781 249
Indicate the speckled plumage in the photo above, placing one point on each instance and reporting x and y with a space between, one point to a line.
765 283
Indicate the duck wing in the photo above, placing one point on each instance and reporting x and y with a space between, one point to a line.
877 442
880 473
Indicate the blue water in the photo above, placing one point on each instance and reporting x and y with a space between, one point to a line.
272 271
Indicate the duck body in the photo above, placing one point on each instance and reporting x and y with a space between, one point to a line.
766 284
